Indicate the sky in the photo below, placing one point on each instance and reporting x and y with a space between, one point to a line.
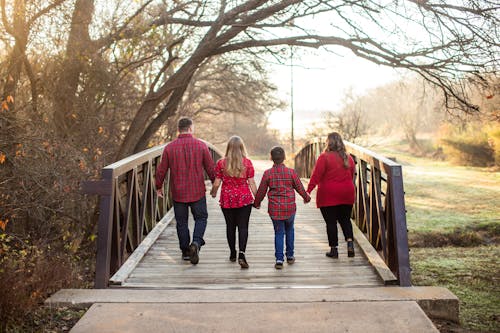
319 84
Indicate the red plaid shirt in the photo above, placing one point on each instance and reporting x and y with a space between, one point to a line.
186 157
281 182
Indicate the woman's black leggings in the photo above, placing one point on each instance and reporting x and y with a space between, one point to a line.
237 218
342 214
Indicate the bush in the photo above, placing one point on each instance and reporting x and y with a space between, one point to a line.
28 274
470 146
469 152
470 236
493 132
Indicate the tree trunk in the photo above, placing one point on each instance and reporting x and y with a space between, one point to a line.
169 110
15 63
178 82
79 51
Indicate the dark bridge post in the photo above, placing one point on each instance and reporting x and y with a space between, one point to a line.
398 212
379 210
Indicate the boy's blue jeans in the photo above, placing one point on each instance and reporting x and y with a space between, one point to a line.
283 229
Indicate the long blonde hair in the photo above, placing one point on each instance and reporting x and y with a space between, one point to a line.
334 143
235 152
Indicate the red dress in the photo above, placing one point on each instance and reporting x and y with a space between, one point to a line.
334 181
235 191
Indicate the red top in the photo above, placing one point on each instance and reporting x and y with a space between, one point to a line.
281 182
235 191
186 157
335 182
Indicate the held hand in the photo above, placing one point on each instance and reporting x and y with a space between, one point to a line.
306 200
159 192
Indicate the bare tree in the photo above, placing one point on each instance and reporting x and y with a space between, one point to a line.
459 42
18 20
226 96
352 121
450 45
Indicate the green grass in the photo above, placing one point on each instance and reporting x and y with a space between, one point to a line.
445 201
442 197
472 274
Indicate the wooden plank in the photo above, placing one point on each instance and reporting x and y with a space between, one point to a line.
163 267
373 257
141 250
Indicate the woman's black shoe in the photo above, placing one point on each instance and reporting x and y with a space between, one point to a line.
334 253
232 256
350 249
242 260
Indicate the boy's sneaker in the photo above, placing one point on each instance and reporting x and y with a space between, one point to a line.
278 265
193 255
290 260
350 249
185 255
334 253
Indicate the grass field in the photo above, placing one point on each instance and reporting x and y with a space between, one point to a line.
444 201
472 274
442 198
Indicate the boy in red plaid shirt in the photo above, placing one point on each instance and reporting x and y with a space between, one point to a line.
281 182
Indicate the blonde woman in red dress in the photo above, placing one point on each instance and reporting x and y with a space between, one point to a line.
334 174
235 173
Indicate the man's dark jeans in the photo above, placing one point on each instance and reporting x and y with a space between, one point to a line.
199 211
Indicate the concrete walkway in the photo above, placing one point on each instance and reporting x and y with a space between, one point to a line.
158 292
372 309
332 317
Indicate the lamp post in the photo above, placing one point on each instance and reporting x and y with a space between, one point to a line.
291 98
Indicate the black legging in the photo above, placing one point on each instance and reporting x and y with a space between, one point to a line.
237 218
342 214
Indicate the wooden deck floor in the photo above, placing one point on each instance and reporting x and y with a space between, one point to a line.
162 266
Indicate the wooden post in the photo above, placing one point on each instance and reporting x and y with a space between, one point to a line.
401 233
104 229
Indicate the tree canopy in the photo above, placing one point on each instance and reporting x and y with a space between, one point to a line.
452 44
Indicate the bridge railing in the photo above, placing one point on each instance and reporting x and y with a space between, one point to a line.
129 207
379 210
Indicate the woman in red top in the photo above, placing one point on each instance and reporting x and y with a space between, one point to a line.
334 174
235 172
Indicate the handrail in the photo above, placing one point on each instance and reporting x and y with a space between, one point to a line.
129 207
379 209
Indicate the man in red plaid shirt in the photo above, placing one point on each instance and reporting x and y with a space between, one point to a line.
281 182
187 158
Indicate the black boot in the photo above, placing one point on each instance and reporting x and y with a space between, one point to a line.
242 260
232 256
334 253
350 249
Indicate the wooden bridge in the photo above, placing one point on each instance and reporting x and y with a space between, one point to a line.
138 247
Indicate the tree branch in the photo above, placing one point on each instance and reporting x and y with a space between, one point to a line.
44 11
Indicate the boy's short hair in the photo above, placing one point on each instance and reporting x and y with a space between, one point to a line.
277 154
184 123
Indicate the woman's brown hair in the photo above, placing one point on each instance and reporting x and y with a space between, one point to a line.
235 152
334 143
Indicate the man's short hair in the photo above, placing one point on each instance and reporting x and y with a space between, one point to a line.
277 154
184 123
